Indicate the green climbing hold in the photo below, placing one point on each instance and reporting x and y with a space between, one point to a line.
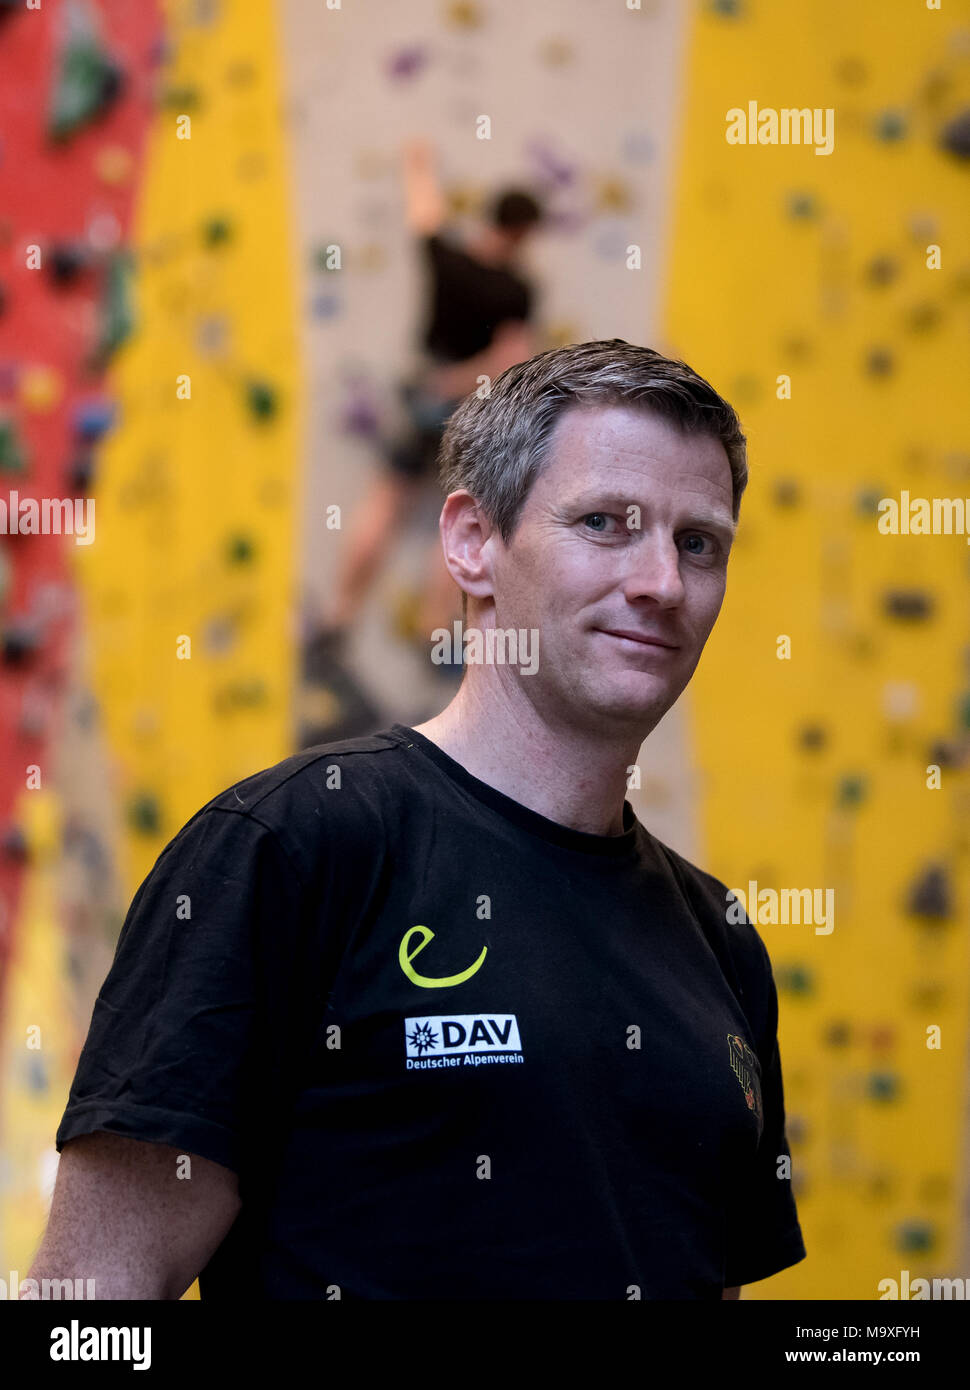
240 550
261 399
852 791
217 231
12 458
86 82
116 317
144 814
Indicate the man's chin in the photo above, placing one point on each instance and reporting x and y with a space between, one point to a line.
634 709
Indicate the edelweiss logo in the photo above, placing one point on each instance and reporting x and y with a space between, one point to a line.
423 1039
461 1040
747 1069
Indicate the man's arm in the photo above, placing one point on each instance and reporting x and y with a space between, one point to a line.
513 341
123 1216
424 201
732 1293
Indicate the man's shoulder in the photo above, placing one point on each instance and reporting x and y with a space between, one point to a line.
723 918
302 776
336 792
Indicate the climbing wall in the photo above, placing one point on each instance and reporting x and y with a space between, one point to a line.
76 94
187 596
814 270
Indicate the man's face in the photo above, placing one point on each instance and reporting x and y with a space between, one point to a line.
580 570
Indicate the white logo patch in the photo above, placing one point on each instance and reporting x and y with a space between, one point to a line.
461 1039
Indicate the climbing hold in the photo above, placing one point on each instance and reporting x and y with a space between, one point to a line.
240 549
64 262
881 270
12 456
796 1129
812 737
114 164
954 138
963 710
912 605
867 501
81 472
144 813
786 492
931 896
219 634
21 639
407 62
921 317
212 335
795 979
216 231
325 306
852 790
14 844
900 700
87 80
240 694
852 71
93 419
802 206
879 361
40 388
914 1237
115 312
35 1073
889 126
838 1034
261 399
463 14
882 1086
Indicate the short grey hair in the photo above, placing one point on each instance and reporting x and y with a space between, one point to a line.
495 445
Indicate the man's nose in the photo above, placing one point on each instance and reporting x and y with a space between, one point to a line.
654 570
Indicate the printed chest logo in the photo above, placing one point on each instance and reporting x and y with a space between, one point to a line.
747 1069
455 1040
405 956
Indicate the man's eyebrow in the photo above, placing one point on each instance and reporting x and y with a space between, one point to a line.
698 516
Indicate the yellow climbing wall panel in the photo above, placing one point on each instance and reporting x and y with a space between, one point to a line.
195 499
36 1057
790 263
195 510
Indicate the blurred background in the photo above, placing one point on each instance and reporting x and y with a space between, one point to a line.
212 289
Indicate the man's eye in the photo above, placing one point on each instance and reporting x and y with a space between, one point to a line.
705 540
598 521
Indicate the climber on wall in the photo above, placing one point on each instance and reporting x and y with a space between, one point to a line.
477 324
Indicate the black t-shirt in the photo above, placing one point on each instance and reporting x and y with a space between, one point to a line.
468 301
452 1048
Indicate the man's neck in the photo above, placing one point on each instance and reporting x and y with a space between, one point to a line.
568 775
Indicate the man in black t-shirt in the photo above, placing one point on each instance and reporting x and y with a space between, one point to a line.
430 1012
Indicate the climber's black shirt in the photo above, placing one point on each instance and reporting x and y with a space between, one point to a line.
468 300
452 1048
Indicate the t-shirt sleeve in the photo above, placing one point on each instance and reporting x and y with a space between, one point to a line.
763 1232
180 1045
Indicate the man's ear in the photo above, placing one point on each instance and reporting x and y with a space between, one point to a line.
467 540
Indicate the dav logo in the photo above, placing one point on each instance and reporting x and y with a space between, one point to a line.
456 1035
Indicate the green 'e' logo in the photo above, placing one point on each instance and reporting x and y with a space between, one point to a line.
405 957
